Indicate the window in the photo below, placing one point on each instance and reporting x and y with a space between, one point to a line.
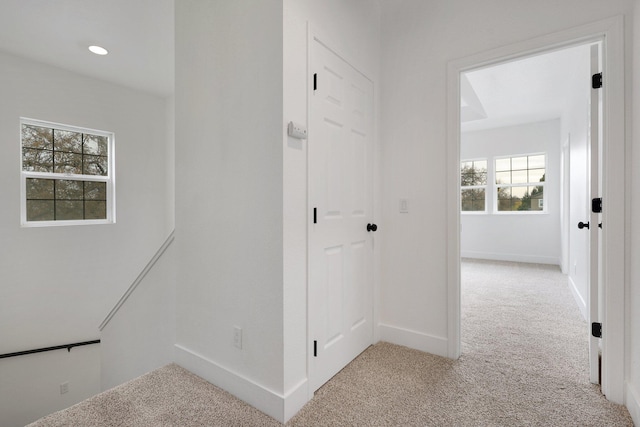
473 180
520 183
66 175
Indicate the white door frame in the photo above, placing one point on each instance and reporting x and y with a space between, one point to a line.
595 181
611 33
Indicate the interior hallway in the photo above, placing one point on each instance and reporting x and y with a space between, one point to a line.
524 362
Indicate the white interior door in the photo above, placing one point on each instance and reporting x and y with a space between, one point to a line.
340 148
594 219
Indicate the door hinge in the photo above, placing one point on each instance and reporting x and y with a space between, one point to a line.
596 329
596 205
315 348
315 81
596 81
315 215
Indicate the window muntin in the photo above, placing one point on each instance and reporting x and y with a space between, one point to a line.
67 175
520 183
473 185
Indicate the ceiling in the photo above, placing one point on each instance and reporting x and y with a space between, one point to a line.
139 35
529 90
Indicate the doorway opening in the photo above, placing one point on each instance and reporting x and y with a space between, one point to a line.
610 33
525 176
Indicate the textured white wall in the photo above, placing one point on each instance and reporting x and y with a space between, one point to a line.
229 195
418 40
520 237
58 283
141 336
30 385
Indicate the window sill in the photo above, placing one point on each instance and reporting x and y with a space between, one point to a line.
471 213
521 213
38 224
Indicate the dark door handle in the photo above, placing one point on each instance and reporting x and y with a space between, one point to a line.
371 227
582 225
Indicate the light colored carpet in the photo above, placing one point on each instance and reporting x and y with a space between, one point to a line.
524 363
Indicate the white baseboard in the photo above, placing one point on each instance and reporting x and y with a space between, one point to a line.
582 305
295 399
632 402
268 401
536 259
414 339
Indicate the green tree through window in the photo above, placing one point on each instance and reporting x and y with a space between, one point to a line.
533 201
473 182
520 183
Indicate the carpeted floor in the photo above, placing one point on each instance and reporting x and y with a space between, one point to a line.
524 363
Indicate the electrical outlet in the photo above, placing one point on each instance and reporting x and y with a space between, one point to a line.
64 388
237 337
404 206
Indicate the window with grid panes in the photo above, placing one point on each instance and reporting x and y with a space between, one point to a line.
520 183
67 174
473 185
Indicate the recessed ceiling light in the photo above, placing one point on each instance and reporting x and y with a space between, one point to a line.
98 50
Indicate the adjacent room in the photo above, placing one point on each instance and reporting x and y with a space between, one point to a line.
525 178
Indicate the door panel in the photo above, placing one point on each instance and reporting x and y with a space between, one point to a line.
340 189
358 181
334 286
357 292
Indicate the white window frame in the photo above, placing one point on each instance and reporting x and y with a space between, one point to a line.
527 184
475 187
109 179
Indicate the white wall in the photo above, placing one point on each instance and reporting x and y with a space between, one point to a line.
418 40
353 29
523 237
58 283
30 385
632 397
229 195
170 172
140 337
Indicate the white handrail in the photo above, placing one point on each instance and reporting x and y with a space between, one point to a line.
139 279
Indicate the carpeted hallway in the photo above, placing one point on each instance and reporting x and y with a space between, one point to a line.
524 363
